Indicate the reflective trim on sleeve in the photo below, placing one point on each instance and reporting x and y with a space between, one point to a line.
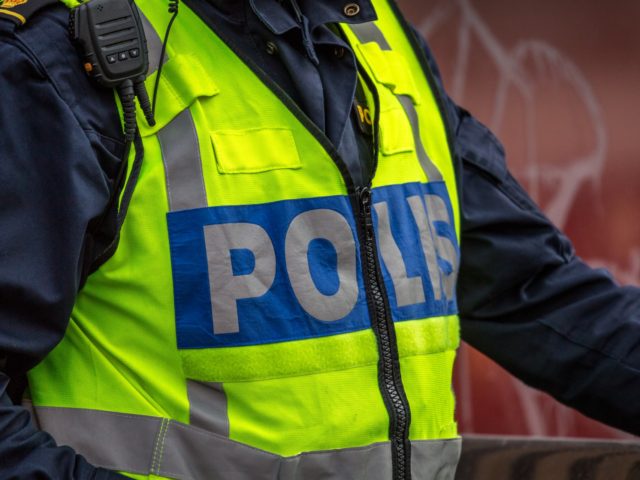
181 157
159 446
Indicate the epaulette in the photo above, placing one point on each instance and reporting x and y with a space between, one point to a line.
19 11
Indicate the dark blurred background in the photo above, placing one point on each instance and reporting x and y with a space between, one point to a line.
558 82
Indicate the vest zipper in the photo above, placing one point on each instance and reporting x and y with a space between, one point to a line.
389 380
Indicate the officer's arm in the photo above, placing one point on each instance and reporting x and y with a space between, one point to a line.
52 184
529 303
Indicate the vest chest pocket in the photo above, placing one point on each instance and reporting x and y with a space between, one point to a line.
255 150
394 126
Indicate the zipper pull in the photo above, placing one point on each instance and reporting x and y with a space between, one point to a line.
364 200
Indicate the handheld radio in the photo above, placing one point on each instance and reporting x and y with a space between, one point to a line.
110 36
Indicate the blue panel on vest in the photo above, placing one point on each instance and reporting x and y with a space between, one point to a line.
275 316
407 237
243 261
225 248
323 264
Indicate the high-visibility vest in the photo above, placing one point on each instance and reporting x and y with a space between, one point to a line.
263 316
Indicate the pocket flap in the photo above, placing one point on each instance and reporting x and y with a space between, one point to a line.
255 150
182 81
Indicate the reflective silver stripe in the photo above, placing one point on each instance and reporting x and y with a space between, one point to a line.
364 463
428 243
208 407
435 460
433 174
110 440
331 226
408 290
369 32
149 445
189 453
181 157
154 44
225 287
438 212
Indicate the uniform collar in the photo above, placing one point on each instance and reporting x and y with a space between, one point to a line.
277 16
232 10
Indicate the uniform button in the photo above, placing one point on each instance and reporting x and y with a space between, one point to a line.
134 52
272 48
351 9
122 56
112 58
338 52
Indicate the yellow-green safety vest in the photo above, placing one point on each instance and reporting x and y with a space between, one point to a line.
264 317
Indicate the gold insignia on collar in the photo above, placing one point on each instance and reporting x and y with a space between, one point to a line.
11 3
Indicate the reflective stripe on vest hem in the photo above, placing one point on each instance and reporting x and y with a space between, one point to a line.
159 446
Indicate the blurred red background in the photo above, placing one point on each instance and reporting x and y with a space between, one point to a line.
557 81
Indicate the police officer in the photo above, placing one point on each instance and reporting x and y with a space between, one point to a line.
285 297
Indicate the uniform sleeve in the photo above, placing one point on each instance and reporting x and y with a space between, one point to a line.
528 302
52 185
